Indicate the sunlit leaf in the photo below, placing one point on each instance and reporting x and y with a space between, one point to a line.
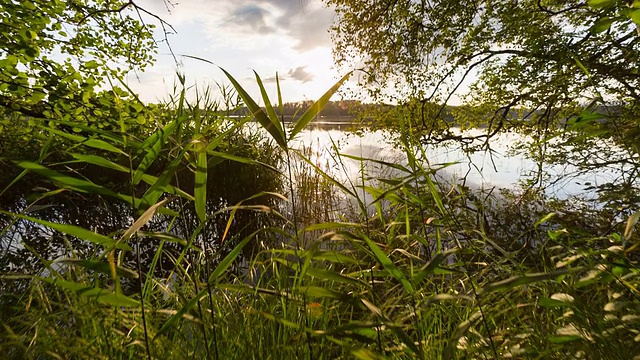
316 107
272 126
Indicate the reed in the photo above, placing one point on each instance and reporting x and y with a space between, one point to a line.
420 271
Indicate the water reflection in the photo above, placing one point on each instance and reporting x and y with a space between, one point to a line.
500 167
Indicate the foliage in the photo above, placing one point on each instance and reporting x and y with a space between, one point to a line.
57 66
562 72
194 236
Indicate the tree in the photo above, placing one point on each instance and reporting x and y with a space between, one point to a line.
56 56
541 66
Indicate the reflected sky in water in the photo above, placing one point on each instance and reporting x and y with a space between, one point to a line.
499 168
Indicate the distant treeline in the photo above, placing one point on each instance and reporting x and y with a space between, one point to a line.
350 110
345 108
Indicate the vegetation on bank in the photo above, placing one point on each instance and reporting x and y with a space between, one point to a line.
175 231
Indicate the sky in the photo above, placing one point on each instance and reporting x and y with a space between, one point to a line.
290 37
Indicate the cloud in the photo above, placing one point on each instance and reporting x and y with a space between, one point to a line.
304 23
300 74
251 17
297 74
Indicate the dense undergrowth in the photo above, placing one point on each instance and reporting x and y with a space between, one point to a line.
217 242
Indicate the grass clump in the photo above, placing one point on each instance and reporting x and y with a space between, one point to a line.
194 256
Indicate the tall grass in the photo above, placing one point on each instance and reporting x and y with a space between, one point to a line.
434 273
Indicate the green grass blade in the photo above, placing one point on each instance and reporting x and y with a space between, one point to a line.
316 107
274 129
328 177
100 266
154 145
99 161
219 270
80 233
71 182
330 275
515 281
90 142
158 188
177 316
384 260
101 295
231 257
320 292
240 159
271 113
200 186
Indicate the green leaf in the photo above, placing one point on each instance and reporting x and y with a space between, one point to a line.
100 266
561 339
240 159
317 107
71 182
230 258
459 332
80 233
200 186
143 219
99 161
397 330
544 219
601 25
272 126
334 276
90 142
635 16
101 295
320 292
219 270
153 145
161 185
92 64
271 113
432 265
521 280
177 316
331 225
388 264
601 3
555 234
165 237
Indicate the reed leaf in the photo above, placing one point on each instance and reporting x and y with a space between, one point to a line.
316 107
100 266
200 187
70 181
101 295
143 219
154 144
384 260
272 126
99 161
79 232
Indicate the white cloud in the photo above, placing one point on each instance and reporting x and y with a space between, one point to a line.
289 37
300 74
